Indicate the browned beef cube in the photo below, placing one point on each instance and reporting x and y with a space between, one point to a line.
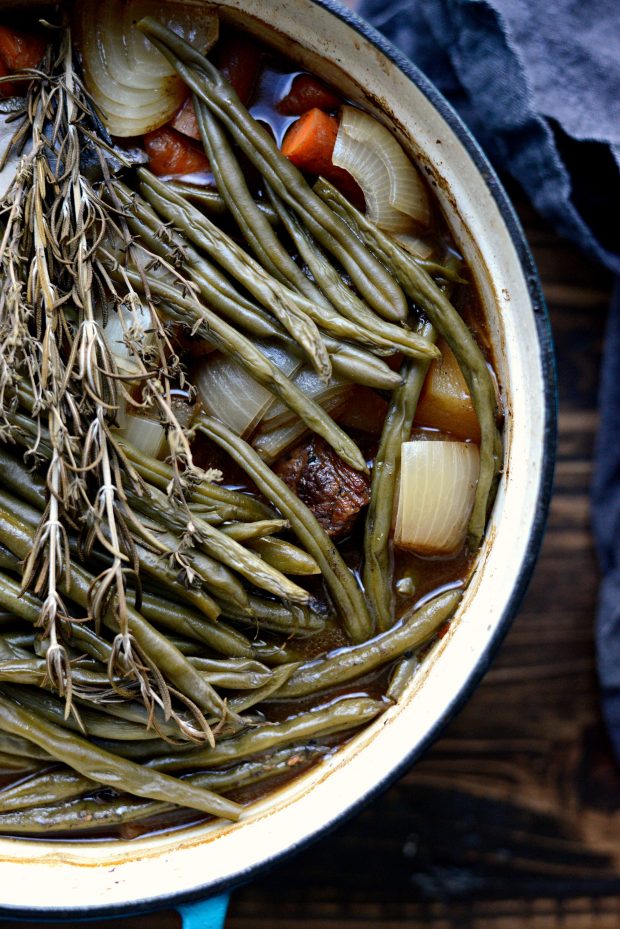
327 485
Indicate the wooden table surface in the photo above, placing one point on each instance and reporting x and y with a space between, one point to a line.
513 818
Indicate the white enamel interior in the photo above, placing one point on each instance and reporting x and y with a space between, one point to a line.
45 876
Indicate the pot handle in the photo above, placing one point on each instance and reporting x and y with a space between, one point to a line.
204 914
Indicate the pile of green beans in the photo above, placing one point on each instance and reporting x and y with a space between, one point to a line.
253 639
99 745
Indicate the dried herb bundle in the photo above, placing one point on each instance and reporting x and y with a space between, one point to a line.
55 299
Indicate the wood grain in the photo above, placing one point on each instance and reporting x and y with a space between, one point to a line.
513 818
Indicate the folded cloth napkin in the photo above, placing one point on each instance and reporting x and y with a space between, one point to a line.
539 86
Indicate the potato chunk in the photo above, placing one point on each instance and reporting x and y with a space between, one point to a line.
445 402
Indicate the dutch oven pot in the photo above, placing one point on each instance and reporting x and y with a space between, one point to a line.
54 880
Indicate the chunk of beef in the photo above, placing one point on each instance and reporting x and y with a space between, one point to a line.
327 485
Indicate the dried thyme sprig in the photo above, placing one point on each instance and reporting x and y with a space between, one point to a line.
54 298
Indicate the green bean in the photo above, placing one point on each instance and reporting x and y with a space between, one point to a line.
348 360
264 243
217 581
347 664
188 647
268 374
23 671
340 715
25 482
359 366
28 607
232 185
271 293
49 707
21 747
10 649
9 764
342 586
219 636
396 338
133 712
377 572
234 673
6 649
141 752
369 276
276 655
197 597
185 622
34 671
88 814
79 635
18 538
227 551
214 203
401 677
291 619
285 556
97 764
214 575
279 677
270 655
52 785
421 288
29 514
22 604
250 532
20 643
331 323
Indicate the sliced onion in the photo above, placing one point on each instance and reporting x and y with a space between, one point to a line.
134 87
227 391
436 494
146 435
393 190
121 320
273 442
309 382
415 244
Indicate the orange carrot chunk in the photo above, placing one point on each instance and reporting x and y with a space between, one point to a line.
306 93
310 141
309 144
20 49
171 153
